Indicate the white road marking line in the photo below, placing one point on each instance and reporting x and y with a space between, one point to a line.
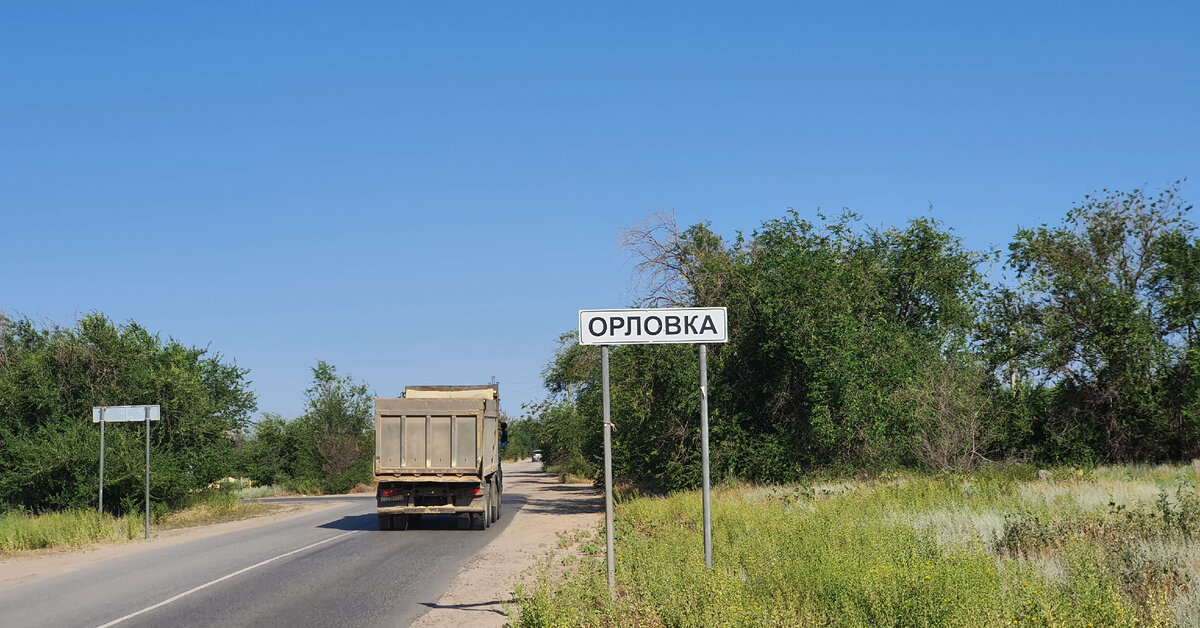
221 579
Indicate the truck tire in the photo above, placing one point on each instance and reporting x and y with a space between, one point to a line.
385 522
497 496
481 520
491 505
490 493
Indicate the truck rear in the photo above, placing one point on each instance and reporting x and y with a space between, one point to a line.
437 452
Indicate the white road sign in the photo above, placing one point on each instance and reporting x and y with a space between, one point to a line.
690 325
114 414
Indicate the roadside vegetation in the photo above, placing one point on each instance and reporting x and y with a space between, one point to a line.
226 503
51 377
930 382
521 436
22 531
855 348
328 449
1113 546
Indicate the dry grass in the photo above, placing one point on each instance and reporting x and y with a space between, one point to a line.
208 514
1114 546
22 532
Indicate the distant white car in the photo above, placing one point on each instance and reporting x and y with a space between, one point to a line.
537 455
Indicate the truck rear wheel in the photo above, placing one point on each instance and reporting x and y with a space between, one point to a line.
496 498
490 515
385 522
481 520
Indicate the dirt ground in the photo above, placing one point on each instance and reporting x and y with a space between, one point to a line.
485 584
477 596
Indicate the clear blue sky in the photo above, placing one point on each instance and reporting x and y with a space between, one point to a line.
428 192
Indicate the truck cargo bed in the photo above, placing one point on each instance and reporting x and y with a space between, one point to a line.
437 452
435 436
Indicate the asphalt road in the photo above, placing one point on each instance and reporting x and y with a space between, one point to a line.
327 568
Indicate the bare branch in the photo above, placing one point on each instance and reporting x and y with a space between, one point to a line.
662 272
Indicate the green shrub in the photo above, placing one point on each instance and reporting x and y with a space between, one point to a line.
51 377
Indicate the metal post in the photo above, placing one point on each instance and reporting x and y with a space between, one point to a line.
101 467
608 481
704 455
147 472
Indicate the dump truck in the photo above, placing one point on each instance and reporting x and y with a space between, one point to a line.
437 452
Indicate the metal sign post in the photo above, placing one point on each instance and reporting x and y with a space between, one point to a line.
102 468
608 490
126 414
707 501
148 471
700 326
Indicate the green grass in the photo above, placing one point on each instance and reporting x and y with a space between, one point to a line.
20 531
1115 546
574 470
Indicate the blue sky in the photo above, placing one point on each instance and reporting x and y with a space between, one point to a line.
425 193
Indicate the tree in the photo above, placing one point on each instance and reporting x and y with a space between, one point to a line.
335 436
689 268
1105 305
268 452
834 330
51 377
522 437
835 321
952 405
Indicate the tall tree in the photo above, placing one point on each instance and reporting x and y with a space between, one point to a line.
1100 298
336 433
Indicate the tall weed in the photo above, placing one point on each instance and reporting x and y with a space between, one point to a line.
897 550
21 531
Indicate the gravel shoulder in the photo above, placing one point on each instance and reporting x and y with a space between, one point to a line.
485 584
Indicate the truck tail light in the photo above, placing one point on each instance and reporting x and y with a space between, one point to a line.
478 491
390 492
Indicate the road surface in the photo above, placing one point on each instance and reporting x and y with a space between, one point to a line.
327 568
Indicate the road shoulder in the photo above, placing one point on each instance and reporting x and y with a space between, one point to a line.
550 510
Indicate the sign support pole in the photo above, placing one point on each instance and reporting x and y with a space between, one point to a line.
608 481
704 455
147 473
102 468
677 325
122 414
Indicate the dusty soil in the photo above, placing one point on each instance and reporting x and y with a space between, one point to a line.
549 510
552 510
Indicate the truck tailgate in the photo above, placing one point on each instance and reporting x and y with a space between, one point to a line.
432 436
